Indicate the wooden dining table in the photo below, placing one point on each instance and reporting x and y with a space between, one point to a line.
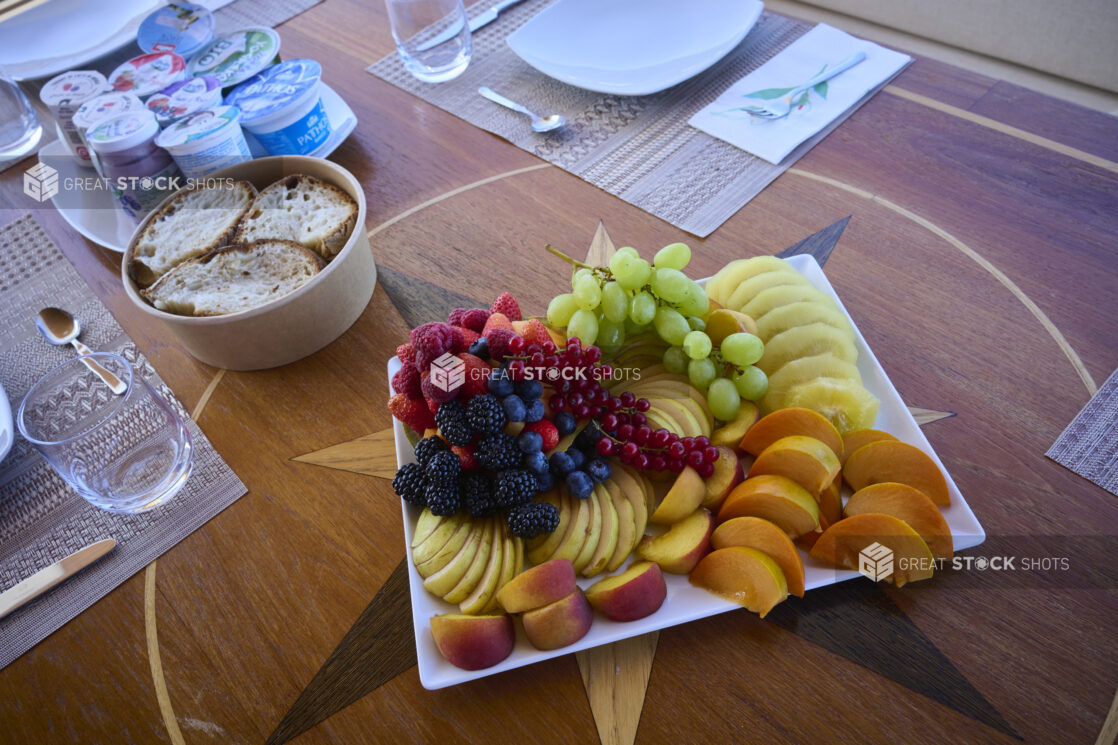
979 260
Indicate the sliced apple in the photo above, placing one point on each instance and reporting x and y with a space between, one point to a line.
744 576
682 499
627 527
486 585
611 530
777 499
678 411
541 548
852 441
511 565
886 460
787 422
730 433
727 474
426 525
906 503
593 535
805 460
637 592
477 567
473 642
558 624
680 548
633 488
436 538
444 580
768 538
442 556
541 585
575 536
842 543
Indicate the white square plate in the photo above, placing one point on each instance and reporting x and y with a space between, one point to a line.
684 602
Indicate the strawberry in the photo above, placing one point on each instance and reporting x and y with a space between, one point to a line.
469 336
536 333
547 431
412 412
498 340
506 304
477 377
406 381
465 456
496 321
406 353
475 319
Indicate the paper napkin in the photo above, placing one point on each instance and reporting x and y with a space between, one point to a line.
772 140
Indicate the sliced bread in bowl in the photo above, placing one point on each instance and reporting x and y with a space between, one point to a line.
303 209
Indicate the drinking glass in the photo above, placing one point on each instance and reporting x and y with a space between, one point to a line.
123 453
19 127
432 37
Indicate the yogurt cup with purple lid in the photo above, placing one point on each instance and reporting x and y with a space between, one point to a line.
148 73
282 107
182 28
184 98
64 95
206 141
237 56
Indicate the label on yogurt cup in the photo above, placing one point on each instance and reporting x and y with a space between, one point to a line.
237 56
185 97
275 88
148 73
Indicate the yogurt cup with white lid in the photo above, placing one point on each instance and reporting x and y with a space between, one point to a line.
206 141
282 107
148 73
237 56
100 108
139 174
182 28
185 98
64 95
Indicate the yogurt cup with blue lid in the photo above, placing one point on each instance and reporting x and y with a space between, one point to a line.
237 56
282 107
206 141
184 98
182 28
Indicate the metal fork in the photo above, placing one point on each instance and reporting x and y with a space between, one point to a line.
780 107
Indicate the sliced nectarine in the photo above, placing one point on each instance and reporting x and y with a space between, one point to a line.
843 543
788 422
766 537
637 592
807 461
851 441
473 642
560 623
682 499
744 576
679 550
906 503
538 586
778 499
727 474
886 460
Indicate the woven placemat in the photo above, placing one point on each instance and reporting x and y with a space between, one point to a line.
1089 445
41 518
639 148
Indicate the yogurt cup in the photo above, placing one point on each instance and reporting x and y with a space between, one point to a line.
237 56
185 98
96 110
148 73
64 95
182 28
139 174
282 107
206 141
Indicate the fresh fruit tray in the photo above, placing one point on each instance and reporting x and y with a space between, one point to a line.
684 601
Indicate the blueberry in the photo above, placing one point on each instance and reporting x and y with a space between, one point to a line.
544 481
500 384
565 423
537 463
529 390
579 484
514 407
598 469
588 438
561 464
535 411
529 442
577 457
480 348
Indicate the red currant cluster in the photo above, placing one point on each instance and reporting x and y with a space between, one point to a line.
574 373
644 448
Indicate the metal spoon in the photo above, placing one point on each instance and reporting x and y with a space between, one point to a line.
539 123
59 327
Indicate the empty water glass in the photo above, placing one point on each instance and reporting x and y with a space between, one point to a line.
432 37
20 130
122 453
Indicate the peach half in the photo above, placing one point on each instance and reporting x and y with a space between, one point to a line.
731 432
541 585
727 474
560 623
637 592
473 642
682 499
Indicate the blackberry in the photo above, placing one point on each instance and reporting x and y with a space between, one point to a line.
531 520
477 494
443 500
485 414
498 452
452 422
514 487
443 469
410 484
427 447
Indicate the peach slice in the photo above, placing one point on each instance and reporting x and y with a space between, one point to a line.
723 322
805 460
787 422
730 433
851 441
679 550
906 503
842 543
541 585
637 592
473 642
560 623
886 460
681 500
727 474
766 537
777 499
744 576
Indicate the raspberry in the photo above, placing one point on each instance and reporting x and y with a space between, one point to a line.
548 432
514 487
536 333
406 381
455 317
443 468
410 485
476 379
477 494
506 304
411 412
432 338
457 343
465 457
475 319
497 321
498 342
453 423
498 452
428 447
531 520
443 500
434 392
469 336
485 414
406 353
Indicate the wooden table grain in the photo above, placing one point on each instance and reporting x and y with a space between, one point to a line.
980 261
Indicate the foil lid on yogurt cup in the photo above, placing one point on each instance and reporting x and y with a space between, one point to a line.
275 88
72 88
185 97
199 126
182 28
237 56
148 73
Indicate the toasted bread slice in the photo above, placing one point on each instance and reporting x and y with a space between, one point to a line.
234 278
192 222
303 209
